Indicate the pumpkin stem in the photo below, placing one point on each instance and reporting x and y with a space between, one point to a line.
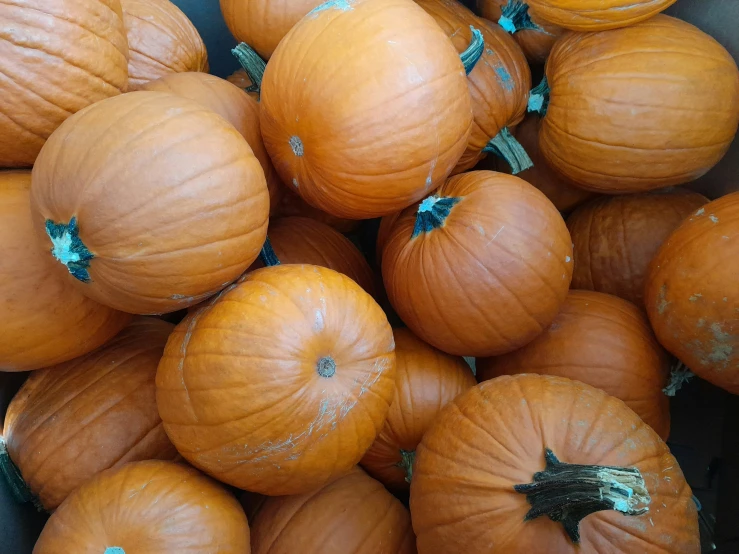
326 367
539 98
68 249
505 145
567 493
432 214
474 51
407 457
515 17
18 487
252 64
268 256
679 375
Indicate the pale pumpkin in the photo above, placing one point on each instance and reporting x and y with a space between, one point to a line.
597 15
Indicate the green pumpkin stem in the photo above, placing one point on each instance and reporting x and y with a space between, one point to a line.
267 255
68 248
515 17
18 487
679 375
539 98
505 145
252 63
407 457
474 51
432 214
567 493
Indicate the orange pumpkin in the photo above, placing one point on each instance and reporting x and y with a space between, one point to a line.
157 216
605 342
70 421
597 15
289 398
150 506
381 132
426 381
546 465
383 234
639 108
616 237
56 57
691 293
291 204
44 321
241 79
162 41
481 267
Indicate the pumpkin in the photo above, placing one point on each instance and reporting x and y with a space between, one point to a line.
380 132
70 421
383 234
426 381
241 79
162 41
45 320
481 267
150 506
691 293
542 464
156 216
639 108
291 204
605 342
287 399
597 15
57 57
616 237
353 514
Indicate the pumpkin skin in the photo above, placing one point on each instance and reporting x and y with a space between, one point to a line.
256 402
383 234
150 506
604 342
691 294
45 320
70 421
459 287
162 41
597 15
163 238
616 238
356 143
291 204
493 437
426 381
611 124
57 56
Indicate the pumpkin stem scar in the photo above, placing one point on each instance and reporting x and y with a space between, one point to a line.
252 64
539 98
114 550
432 214
567 493
268 256
505 145
69 249
326 367
407 457
515 17
679 375
297 145
474 51
18 487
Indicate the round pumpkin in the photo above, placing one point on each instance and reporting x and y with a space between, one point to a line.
639 108
597 15
57 57
426 381
287 399
45 320
365 131
615 238
291 204
481 267
161 40
144 507
352 515
383 234
691 293
605 342
155 216
546 465
241 79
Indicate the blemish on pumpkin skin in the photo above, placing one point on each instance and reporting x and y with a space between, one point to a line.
701 211
695 297
295 183
341 5
662 302
713 218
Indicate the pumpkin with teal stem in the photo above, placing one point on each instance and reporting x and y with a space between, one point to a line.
597 15
481 267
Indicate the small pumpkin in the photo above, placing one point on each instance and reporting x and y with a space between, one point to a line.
288 399
382 132
150 506
45 320
691 293
162 41
605 342
597 15
616 237
352 515
611 124
57 57
291 204
426 381
541 464
241 79
156 216
481 267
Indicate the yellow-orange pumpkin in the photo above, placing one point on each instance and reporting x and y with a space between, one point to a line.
597 15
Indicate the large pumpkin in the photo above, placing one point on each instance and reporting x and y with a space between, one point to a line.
639 108
616 237
546 465
691 293
161 40
426 381
481 267
150 506
605 342
597 15
149 202
45 320
289 398
70 421
365 131
56 57
291 204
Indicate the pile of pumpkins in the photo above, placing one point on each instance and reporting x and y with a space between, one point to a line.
139 192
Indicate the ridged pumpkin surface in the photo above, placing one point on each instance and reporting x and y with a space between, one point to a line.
597 15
